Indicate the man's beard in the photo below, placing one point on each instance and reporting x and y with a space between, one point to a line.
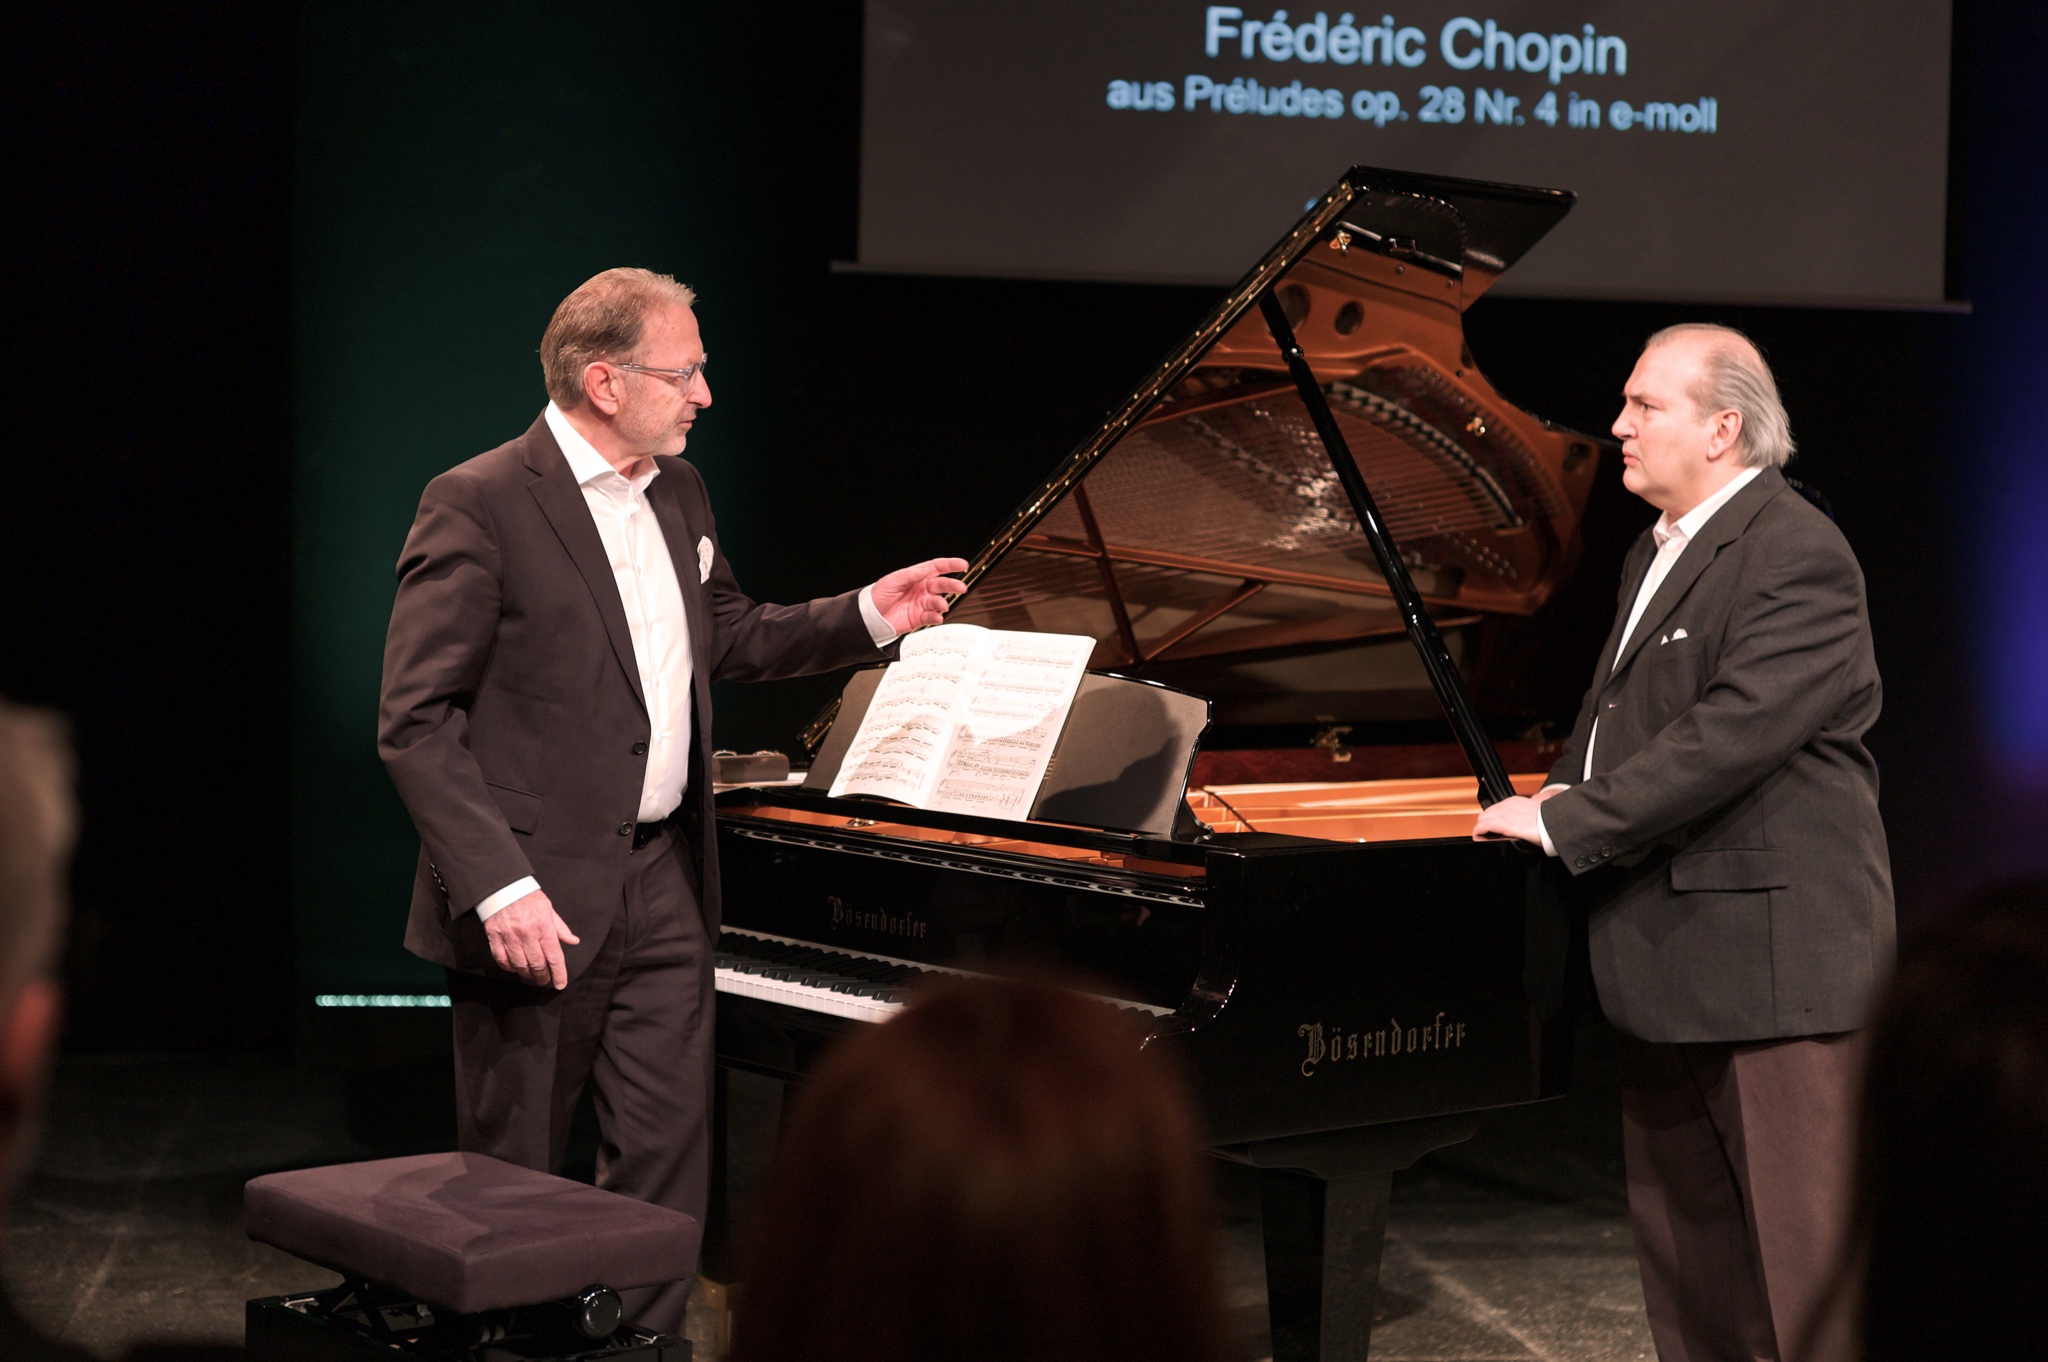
663 437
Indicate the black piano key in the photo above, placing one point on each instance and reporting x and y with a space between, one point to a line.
819 967
869 970
865 969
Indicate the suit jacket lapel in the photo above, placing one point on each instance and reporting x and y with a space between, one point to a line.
1723 529
1634 568
561 501
664 494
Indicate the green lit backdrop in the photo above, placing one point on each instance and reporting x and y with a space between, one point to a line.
459 169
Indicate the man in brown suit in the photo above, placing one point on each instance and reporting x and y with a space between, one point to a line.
562 610
1719 810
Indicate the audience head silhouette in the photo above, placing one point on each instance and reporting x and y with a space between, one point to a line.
37 823
1000 1172
1953 1211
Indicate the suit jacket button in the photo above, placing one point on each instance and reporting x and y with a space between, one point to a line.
625 829
639 749
1580 863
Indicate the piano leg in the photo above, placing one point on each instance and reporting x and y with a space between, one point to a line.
716 1259
1324 1201
1322 1261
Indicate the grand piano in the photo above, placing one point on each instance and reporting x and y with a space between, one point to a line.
1317 520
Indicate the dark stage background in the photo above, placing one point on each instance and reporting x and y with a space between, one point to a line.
271 273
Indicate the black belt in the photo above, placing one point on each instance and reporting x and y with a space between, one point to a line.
643 833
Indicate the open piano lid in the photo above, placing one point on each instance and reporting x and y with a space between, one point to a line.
1201 536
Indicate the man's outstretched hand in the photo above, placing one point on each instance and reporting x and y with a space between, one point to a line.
913 597
526 938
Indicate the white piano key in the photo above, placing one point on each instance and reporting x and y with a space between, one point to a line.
805 996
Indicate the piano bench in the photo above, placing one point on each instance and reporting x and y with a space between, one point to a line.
443 1251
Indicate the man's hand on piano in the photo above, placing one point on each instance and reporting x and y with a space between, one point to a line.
913 597
526 938
1514 818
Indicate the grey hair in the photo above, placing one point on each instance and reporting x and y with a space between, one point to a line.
38 821
602 319
1733 377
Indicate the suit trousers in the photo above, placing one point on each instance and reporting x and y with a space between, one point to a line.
1740 1160
637 1024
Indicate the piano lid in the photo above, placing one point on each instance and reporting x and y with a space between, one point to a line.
1201 535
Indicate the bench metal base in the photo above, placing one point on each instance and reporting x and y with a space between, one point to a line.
361 1322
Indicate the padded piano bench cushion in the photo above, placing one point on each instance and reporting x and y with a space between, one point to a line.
468 1232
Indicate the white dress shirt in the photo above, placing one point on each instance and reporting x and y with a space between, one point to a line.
1671 537
653 598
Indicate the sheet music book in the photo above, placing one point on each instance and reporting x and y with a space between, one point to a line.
965 720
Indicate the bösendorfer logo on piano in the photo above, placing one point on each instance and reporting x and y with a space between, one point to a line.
909 925
1337 1044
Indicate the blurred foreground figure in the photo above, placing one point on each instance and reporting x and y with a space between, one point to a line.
37 823
998 1173
1953 1212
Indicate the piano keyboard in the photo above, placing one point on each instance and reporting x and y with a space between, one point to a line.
833 980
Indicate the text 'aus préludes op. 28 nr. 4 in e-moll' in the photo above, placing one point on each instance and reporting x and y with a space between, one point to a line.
1461 44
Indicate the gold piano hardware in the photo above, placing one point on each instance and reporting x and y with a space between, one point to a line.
1341 243
1393 1039
909 925
1331 740
1477 425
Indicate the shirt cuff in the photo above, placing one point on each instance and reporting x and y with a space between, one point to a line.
1544 833
879 629
518 890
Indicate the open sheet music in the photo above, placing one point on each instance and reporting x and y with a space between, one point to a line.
965 720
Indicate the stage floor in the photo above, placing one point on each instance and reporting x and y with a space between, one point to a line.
128 1227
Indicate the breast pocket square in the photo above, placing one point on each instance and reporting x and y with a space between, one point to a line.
704 560
1672 637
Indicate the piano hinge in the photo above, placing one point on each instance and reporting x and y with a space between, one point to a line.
1004 872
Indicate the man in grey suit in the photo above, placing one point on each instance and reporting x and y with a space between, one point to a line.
1719 811
563 606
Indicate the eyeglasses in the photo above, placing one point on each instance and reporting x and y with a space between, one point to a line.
685 375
